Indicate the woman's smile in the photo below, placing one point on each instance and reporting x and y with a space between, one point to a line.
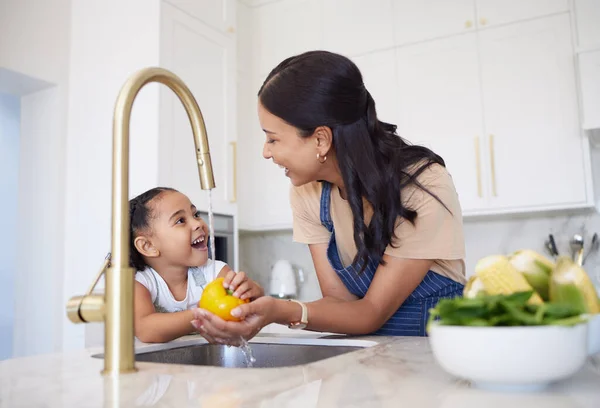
285 169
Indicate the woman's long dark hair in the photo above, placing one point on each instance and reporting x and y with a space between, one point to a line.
320 88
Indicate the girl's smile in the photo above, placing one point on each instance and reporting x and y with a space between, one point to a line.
200 243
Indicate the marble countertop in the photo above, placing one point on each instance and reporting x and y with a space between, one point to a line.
398 371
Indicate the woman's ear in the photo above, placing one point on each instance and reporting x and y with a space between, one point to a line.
145 247
324 138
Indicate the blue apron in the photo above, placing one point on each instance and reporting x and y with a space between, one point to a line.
411 318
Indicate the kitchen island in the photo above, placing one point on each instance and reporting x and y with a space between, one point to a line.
396 372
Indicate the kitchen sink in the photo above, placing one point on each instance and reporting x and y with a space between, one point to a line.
267 352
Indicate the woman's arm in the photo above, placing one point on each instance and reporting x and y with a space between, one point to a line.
153 327
341 312
331 285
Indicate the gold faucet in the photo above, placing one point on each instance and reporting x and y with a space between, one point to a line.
115 308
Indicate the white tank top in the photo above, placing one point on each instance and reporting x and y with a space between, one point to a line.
163 299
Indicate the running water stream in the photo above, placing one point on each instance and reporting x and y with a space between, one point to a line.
244 346
211 228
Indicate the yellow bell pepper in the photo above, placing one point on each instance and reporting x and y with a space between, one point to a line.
220 301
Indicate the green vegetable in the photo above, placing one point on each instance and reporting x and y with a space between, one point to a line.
503 310
569 283
535 268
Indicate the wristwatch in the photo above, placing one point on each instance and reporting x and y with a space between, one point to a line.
303 320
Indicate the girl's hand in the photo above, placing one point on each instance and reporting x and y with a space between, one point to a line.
242 286
255 315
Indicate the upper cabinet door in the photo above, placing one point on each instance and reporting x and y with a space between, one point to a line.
440 107
265 190
494 12
379 75
421 20
355 27
283 29
530 108
589 72
218 14
587 13
205 60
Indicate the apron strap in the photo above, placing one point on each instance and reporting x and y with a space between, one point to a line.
325 204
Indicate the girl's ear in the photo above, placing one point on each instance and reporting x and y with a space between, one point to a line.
145 247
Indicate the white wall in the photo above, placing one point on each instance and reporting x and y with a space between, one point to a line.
110 40
34 44
34 38
9 171
39 307
80 52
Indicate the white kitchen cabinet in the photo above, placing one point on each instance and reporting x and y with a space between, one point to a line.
494 12
263 186
587 15
421 20
283 29
379 75
589 71
218 14
440 107
497 100
244 37
354 27
510 140
206 61
532 130
416 21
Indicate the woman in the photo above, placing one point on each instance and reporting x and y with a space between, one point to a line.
381 217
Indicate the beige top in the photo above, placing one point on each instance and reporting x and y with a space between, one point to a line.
437 233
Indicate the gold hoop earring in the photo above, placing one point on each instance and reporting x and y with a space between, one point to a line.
319 157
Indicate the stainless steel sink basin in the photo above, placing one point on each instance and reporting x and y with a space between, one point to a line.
266 355
267 352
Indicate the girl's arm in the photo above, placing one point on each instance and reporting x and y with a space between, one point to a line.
153 327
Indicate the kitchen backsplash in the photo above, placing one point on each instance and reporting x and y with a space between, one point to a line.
485 236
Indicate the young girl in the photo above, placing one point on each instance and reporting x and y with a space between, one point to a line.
168 246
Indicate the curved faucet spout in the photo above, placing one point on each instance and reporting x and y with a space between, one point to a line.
117 308
122 115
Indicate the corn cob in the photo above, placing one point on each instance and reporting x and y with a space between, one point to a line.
499 277
535 268
569 283
473 287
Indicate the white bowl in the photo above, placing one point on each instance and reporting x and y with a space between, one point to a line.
594 334
524 358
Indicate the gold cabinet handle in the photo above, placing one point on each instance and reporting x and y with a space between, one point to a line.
493 166
478 166
468 24
234 175
483 21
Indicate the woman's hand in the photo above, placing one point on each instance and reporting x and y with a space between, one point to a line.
242 286
255 315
